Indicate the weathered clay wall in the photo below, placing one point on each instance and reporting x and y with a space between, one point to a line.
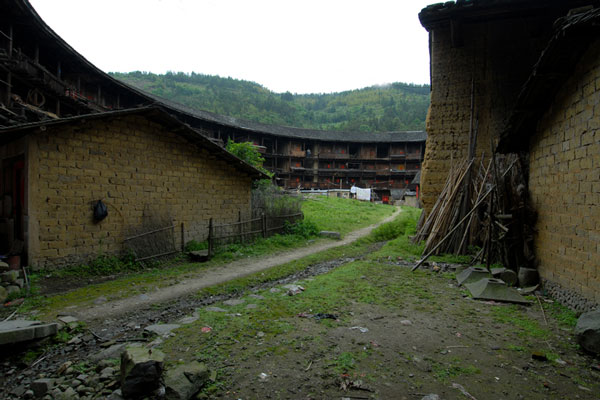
564 183
143 172
497 57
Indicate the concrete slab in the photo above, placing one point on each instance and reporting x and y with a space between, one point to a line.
472 274
22 330
495 289
162 329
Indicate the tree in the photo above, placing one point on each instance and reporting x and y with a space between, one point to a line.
247 152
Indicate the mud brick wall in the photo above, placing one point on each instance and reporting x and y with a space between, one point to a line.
497 56
144 173
564 182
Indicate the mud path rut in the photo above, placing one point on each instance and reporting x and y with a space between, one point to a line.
213 276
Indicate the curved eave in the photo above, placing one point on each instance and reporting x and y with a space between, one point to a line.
571 40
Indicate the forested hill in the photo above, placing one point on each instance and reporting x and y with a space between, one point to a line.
397 106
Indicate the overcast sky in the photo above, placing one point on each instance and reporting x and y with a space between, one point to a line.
307 46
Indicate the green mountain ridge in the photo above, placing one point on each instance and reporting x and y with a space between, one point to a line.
394 107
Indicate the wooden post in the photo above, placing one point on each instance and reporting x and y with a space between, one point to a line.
210 238
264 225
182 238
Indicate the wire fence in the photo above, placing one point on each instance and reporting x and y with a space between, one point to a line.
248 230
163 241
153 244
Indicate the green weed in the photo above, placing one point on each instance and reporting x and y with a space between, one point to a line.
193 245
526 327
444 372
562 314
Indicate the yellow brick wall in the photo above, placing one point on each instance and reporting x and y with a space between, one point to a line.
142 171
497 56
565 182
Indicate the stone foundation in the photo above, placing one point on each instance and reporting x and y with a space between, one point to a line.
568 297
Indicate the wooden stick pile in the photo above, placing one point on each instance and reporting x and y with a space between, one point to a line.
483 207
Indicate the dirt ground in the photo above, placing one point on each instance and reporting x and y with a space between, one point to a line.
431 340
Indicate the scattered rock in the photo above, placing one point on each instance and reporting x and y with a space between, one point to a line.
106 373
100 300
234 302
431 396
360 328
187 320
113 351
215 309
256 296
162 329
13 289
19 391
69 393
587 331
9 276
116 395
274 290
251 306
61 370
67 319
41 386
406 322
330 235
293 290
184 381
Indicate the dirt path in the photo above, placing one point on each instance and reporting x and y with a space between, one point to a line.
224 273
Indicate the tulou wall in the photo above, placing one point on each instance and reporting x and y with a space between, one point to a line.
564 183
146 175
494 58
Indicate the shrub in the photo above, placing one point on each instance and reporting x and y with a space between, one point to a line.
194 245
306 229
269 199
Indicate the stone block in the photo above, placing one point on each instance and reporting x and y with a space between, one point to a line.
528 277
21 330
9 276
13 289
587 331
184 381
141 371
330 235
41 386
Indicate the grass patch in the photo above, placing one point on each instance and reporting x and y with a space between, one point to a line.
564 316
102 265
343 215
445 372
514 316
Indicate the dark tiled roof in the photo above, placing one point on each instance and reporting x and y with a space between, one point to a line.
480 10
156 114
572 38
291 132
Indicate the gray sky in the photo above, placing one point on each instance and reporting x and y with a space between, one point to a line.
307 46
